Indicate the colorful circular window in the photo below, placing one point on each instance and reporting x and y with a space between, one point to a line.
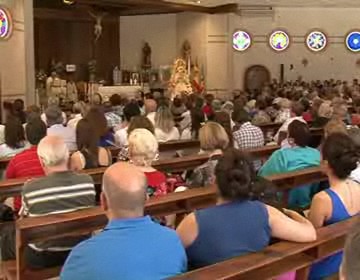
353 41
279 40
316 41
241 41
5 23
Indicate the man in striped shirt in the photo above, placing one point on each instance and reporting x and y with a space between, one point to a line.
61 191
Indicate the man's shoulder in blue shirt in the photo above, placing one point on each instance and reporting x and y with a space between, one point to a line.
127 249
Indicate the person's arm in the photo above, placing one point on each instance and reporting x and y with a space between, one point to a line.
320 209
104 157
188 230
76 163
290 226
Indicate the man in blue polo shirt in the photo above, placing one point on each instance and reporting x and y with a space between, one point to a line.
131 246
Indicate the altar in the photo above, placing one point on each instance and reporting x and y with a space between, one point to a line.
129 92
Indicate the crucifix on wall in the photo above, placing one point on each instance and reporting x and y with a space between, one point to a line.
98 24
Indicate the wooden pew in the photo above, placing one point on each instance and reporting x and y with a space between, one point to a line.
171 146
279 258
270 127
273 261
85 221
167 147
30 230
13 187
184 144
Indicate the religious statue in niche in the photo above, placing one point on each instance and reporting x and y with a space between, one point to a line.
98 24
198 82
180 81
146 56
186 54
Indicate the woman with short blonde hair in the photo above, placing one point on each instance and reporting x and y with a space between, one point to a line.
213 141
143 147
165 129
143 150
213 137
334 126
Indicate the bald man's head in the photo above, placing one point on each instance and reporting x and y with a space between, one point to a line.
124 191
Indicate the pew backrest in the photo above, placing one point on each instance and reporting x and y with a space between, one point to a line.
279 258
13 187
37 229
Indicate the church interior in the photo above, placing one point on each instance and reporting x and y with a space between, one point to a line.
179 139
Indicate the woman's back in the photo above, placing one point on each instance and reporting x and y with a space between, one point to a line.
341 201
229 230
163 136
83 159
345 203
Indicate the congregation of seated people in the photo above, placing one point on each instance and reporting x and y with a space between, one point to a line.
52 148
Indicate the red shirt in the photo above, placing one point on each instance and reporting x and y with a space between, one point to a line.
355 119
307 116
156 183
24 164
208 111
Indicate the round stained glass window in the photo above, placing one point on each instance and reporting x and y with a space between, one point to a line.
353 41
5 24
316 41
279 40
241 41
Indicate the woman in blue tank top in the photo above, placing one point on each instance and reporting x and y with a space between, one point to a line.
239 224
341 201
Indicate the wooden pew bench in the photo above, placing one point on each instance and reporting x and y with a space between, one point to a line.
13 187
279 258
187 145
30 230
168 149
273 261
80 222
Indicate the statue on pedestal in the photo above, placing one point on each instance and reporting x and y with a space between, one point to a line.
146 56
198 82
186 54
180 81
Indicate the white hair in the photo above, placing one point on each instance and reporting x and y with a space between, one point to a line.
143 147
53 151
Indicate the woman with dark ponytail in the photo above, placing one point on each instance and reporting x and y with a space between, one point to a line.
240 223
342 200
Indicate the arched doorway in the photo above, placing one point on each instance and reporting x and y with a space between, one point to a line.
255 77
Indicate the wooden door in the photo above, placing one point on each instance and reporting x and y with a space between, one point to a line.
255 77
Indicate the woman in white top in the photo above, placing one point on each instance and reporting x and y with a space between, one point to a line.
14 138
165 129
130 110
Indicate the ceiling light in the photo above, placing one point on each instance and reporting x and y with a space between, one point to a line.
69 2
